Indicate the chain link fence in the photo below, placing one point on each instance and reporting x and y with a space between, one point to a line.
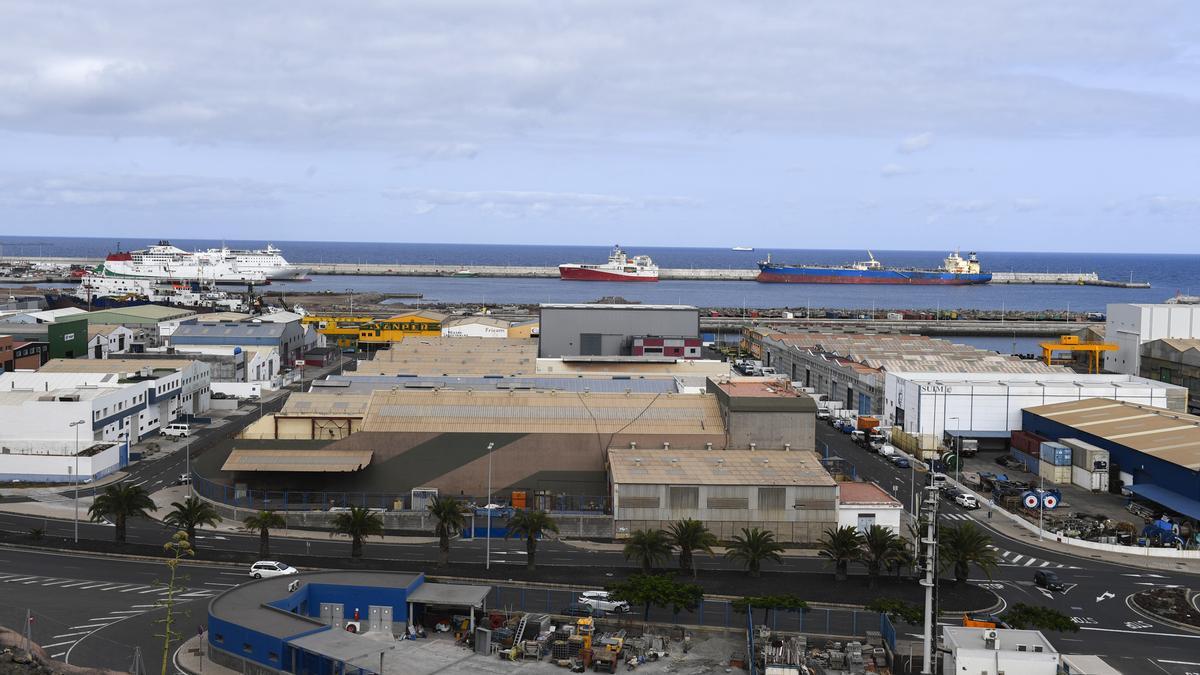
71 640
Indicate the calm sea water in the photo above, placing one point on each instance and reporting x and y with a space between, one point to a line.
1166 273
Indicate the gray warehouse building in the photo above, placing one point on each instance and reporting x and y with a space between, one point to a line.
569 330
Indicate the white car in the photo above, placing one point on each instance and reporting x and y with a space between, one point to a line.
966 501
270 568
600 600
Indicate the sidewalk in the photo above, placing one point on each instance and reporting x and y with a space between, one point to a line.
618 547
163 499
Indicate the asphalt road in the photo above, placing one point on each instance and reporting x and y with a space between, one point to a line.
1096 595
91 606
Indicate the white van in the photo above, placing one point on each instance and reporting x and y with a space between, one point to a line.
887 450
177 430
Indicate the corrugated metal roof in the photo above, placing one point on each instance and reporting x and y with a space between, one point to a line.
459 356
541 412
480 320
369 383
1170 436
299 461
119 366
138 314
716 467
316 404
229 329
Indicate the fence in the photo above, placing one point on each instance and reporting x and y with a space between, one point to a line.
710 613
297 500
68 641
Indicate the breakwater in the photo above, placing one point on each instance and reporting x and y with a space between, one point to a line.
44 272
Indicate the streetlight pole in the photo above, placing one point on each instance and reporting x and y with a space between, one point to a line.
351 292
488 506
76 426
957 457
1041 501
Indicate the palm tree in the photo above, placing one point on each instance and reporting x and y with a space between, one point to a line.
191 513
120 502
358 523
841 545
530 524
961 546
753 546
648 548
262 522
451 518
879 549
690 535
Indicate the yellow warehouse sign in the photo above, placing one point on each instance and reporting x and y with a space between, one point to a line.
348 332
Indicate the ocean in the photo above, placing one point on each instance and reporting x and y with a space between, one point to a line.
1166 273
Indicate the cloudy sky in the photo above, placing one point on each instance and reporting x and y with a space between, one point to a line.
995 126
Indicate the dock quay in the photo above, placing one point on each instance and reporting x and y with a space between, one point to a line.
537 272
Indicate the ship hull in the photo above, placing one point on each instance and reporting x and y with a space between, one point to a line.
786 274
569 273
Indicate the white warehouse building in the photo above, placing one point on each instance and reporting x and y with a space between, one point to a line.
1129 326
932 403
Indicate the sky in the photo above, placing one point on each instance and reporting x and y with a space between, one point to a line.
1007 125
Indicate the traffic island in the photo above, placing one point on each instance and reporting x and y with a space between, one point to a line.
1174 606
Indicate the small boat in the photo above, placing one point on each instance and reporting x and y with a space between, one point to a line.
464 273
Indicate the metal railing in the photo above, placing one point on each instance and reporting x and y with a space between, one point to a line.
325 500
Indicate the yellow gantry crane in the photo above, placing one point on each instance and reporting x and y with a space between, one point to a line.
1072 343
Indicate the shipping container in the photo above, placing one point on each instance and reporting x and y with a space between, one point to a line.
1029 461
1027 442
1096 481
866 423
1055 453
1051 473
1086 455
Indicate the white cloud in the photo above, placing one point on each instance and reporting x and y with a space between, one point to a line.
511 204
961 206
916 143
1027 203
140 191
893 169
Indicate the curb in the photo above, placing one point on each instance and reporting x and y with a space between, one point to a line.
1131 602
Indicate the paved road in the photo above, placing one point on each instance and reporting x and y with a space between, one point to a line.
1096 592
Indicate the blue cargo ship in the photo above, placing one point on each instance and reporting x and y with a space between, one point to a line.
955 271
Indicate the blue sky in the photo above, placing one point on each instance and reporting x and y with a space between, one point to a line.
993 126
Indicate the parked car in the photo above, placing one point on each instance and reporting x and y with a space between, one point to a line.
950 493
600 600
900 462
823 414
264 569
858 436
176 430
877 443
938 479
887 450
184 479
966 501
1048 580
579 609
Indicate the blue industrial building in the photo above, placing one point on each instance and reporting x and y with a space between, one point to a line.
1153 452
287 337
324 623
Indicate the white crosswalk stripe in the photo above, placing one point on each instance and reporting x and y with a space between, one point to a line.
102 586
1013 559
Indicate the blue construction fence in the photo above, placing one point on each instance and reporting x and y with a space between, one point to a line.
324 500
712 613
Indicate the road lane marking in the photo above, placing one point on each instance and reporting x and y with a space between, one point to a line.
82 632
131 588
1029 562
216 583
152 590
56 582
55 656
18 579
77 583
1017 559
89 625
1140 632
1045 564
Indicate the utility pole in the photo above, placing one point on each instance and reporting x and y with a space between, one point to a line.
929 507
76 426
488 506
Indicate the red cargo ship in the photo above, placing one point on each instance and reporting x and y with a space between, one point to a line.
619 267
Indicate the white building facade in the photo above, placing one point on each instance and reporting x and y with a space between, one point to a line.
932 403
1129 326
475 326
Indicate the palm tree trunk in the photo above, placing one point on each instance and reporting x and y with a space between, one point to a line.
839 570
961 570
119 529
191 533
685 561
754 568
531 551
443 551
872 574
356 547
264 543
646 568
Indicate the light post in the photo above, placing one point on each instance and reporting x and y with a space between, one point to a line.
187 463
351 292
488 506
76 427
957 458
1041 501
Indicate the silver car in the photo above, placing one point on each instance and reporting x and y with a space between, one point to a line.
600 600
269 568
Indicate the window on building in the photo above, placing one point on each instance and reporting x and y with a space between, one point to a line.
685 497
247 647
772 498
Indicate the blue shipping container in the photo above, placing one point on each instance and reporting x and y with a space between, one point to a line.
1030 462
1056 453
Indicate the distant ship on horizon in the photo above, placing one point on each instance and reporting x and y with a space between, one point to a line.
742 248
955 271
